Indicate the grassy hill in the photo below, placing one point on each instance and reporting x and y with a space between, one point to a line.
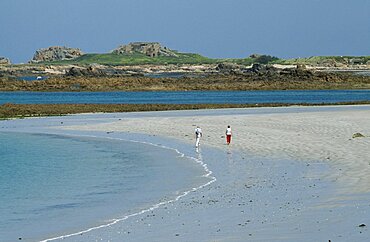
142 59
138 59
191 58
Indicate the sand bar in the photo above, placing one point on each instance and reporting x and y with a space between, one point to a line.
290 174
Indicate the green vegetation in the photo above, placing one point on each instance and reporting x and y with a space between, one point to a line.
328 60
138 59
141 59
190 58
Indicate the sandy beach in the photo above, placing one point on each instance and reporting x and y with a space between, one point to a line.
290 174
307 134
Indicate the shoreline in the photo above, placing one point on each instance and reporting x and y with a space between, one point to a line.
316 141
153 207
160 143
273 183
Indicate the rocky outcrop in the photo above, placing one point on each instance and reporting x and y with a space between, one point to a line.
151 49
283 80
301 67
56 53
4 61
230 68
91 70
96 70
260 68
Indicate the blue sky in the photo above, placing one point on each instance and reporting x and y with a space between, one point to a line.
214 28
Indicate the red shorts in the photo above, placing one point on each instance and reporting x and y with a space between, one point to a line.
228 138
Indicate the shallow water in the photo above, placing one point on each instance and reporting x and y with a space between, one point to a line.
54 185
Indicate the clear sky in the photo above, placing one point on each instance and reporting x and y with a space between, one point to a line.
214 28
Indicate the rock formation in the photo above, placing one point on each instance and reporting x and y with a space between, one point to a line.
151 49
4 61
55 53
89 71
301 67
230 68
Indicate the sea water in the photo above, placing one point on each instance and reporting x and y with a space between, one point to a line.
53 185
188 97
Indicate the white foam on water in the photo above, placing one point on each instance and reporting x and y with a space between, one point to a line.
112 222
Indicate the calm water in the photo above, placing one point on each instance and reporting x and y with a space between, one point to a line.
32 78
191 97
54 185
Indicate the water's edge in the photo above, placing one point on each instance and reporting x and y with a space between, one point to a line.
142 139
208 174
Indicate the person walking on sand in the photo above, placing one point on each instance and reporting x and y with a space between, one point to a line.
198 134
228 134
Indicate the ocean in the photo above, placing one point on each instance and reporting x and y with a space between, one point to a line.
55 185
188 97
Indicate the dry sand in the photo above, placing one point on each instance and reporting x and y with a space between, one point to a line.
315 136
290 174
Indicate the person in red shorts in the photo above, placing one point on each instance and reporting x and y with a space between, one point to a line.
228 135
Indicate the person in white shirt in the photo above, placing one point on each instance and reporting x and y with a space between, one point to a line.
228 135
198 134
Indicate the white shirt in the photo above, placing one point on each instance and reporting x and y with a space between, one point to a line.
198 132
228 131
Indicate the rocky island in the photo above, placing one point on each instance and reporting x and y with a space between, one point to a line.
148 66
